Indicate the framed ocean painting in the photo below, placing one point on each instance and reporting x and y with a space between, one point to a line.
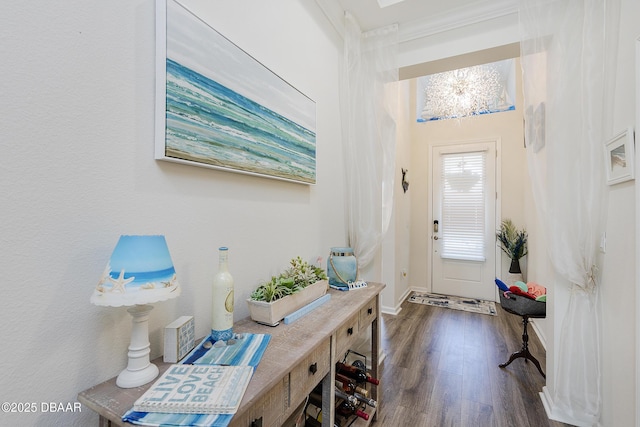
217 107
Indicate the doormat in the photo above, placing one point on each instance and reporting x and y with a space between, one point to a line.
456 303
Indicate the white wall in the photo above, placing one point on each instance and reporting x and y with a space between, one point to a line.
77 170
399 283
618 291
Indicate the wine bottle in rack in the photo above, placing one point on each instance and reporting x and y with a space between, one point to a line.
351 399
347 409
347 383
346 387
312 422
366 400
357 374
349 386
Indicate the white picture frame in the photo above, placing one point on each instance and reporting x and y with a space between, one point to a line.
218 107
620 157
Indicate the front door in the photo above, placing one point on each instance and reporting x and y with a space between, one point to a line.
464 219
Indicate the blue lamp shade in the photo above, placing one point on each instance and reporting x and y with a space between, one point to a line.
140 271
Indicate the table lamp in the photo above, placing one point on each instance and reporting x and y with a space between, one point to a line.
139 272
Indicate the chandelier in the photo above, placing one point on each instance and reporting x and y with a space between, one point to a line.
464 92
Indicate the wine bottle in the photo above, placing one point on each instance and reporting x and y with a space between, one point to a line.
222 300
312 422
362 391
347 383
366 400
357 374
349 386
315 397
346 397
345 387
313 412
347 409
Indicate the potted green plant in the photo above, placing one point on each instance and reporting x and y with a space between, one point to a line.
285 293
513 242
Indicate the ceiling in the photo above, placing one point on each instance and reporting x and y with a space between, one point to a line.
371 15
420 20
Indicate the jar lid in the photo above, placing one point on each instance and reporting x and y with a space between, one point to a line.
342 251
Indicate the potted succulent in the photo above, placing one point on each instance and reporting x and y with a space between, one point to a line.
513 242
285 293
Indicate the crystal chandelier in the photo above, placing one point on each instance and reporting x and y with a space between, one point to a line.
464 92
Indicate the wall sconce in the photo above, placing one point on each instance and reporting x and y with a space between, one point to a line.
405 183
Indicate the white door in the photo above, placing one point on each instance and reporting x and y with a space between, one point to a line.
464 220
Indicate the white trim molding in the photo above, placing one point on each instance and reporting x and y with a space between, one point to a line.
637 189
554 413
458 17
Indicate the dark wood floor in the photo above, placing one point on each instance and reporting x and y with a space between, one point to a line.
441 369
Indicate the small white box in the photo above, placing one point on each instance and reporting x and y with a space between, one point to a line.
179 339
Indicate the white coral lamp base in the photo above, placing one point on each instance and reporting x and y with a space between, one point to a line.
139 370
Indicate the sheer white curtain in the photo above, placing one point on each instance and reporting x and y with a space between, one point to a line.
369 104
568 63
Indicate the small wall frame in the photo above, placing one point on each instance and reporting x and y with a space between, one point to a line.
619 155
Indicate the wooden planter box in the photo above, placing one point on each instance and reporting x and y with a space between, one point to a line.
270 313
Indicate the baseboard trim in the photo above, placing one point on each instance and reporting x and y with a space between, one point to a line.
418 289
394 311
397 309
539 333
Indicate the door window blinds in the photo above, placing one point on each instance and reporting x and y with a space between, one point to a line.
463 205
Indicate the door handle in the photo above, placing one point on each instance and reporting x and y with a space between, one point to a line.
435 237
435 226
